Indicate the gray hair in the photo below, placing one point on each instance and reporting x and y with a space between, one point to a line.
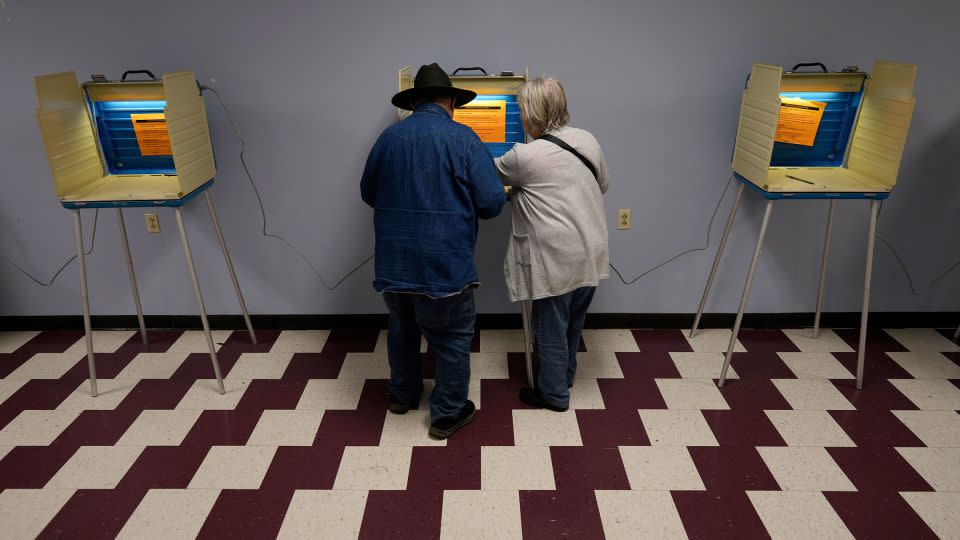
544 104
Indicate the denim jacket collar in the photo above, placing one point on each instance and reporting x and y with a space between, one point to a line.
431 108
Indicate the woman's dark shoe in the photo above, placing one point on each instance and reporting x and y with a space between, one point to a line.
445 427
396 406
533 398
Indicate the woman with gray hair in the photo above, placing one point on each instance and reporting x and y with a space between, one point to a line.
558 251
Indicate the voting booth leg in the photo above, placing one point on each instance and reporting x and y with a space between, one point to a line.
133 276
196 292
88 332
871 240
528 339
233 274
716 260
956 335
823 271
746 293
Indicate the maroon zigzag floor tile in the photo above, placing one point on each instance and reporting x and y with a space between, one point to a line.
246 513
402 514
560 514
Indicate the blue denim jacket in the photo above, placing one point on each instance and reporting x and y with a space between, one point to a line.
429 179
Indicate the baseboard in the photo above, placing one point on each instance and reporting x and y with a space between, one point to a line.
897 319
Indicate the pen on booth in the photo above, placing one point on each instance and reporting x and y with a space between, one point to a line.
801 180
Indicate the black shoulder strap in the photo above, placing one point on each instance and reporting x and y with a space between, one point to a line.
568 148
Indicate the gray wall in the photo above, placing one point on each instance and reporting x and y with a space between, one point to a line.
658 82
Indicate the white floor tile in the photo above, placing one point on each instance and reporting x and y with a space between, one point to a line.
940 467
10 387
301 341
541 427
934 428
330 514
11 341
712 340
95 467
170 513
195 341
701 365
46 366
598 365
827 342
323 394
153 365
513 468
940 511
233 467
286 428
660 468
804 469
160 428
24 513
621 519
809 428
374 467
37 428
205 395
926 365
798 515
923 340
812 394
110 392
616 340
677 428
488 366
586 394
501 341
930 394
408 430
365 366
260 366
818 365
486 515
691 394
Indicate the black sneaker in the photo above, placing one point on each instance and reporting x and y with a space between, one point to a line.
533 398
445 427
396 406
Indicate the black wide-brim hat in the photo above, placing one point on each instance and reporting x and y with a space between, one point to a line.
431 78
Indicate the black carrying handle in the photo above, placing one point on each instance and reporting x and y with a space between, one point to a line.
475 68
810 64
146 72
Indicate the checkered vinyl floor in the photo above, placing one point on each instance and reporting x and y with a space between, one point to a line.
302 446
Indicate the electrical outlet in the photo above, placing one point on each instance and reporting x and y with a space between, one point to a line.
624 219
153 222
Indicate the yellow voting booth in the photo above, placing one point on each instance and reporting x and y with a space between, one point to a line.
130 143
818 135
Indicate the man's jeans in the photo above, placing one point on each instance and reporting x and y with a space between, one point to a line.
557 324
447 324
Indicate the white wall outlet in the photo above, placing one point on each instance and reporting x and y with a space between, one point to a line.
153 222
624 218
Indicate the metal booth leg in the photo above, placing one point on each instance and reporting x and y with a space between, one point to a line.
716 260
823 270
746 293
196 292
133 277
872 235
88 332
956 334
528 339
233 274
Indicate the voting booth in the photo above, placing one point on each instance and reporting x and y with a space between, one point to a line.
494 115
818 135
130 143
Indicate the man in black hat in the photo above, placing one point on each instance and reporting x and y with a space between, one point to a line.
429 179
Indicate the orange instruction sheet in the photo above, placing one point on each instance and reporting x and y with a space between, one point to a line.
488 119
799 121
152 135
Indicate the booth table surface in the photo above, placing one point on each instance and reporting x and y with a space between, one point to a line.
302 444
133 190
